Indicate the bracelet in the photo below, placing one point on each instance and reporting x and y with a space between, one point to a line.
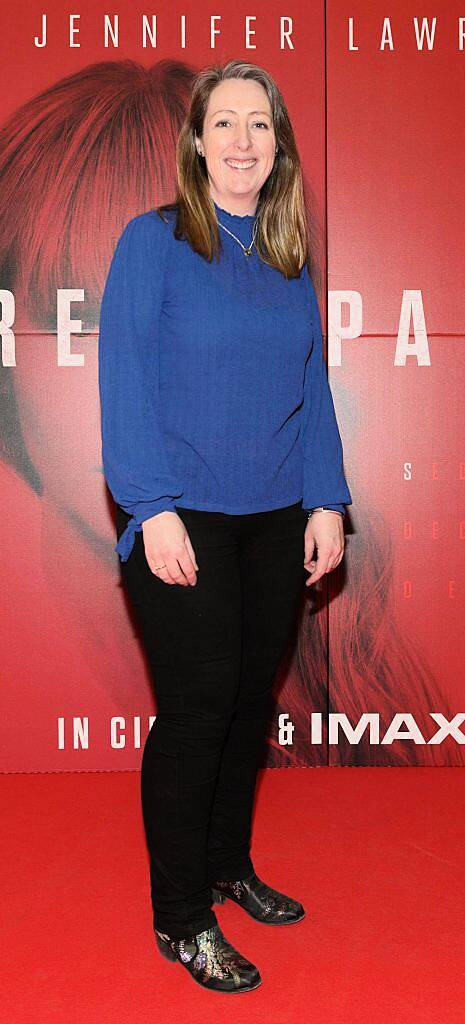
321 508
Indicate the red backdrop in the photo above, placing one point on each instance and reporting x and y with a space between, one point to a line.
374 674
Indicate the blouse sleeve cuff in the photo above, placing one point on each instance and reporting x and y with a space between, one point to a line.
146 511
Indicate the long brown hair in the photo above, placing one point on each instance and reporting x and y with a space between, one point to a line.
282 238
77 162
66 195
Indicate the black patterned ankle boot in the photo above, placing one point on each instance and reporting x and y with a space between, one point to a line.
259 900
211 960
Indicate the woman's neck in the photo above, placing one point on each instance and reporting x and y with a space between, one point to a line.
234 206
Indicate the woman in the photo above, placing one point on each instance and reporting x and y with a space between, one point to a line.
222 451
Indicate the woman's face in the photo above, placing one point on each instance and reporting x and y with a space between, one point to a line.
58 408
238 126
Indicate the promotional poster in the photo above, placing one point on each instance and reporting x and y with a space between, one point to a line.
93 99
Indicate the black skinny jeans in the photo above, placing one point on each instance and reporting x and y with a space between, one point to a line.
213 650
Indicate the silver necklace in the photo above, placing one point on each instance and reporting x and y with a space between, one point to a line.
246 249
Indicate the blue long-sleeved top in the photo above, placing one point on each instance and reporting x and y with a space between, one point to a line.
213 387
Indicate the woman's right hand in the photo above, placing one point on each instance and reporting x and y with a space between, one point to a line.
167 543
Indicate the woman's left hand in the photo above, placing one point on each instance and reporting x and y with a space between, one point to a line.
326 531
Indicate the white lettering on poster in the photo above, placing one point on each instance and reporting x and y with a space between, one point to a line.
421 36
127 733
412 316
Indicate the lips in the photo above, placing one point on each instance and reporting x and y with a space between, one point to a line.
241 165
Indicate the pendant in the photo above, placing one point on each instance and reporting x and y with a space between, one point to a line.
247 252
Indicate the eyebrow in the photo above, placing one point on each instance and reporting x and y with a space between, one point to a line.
227 110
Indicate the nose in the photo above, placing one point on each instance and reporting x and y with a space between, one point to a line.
242 139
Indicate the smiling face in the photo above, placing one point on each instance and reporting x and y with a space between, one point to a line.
238 143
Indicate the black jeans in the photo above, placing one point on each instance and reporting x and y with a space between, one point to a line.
213 650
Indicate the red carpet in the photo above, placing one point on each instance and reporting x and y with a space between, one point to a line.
375 854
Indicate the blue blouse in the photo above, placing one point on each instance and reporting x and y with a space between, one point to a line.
213 387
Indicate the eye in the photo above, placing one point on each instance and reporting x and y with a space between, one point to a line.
224 121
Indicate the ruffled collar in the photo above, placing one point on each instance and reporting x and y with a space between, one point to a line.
240 224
